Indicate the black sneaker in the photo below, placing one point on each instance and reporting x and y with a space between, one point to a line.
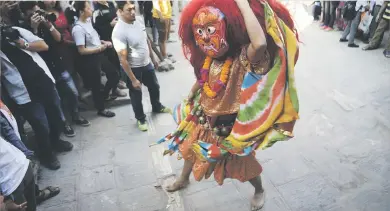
343 40
106 113
82 122
110 97
68 131
353 45
63 146
52 163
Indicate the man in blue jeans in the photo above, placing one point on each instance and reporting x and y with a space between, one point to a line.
134 49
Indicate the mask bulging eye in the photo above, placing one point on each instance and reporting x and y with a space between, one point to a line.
199 31
211 29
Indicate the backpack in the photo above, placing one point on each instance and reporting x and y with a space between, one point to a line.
349 11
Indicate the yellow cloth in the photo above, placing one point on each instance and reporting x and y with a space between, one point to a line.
164 7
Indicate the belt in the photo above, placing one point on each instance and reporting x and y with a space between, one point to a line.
222 125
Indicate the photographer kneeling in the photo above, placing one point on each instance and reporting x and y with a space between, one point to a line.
42 24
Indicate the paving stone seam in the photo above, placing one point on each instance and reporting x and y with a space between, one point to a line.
164 172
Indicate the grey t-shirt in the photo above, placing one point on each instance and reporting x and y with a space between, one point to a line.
133 38
85 35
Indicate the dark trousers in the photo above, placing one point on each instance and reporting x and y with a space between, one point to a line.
26 192
330 19
113 58
316 10
147 76
374 24
45 134
141 7
44 114
325 11
91 66
148 16
352 28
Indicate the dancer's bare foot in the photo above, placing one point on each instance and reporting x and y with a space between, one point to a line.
258 200
178 185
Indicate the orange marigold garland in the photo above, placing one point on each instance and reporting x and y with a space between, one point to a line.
220 83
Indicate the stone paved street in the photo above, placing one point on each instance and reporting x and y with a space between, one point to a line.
339 159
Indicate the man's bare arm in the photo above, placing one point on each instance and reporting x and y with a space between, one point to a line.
125 64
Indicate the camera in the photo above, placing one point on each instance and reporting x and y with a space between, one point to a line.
49 17
9 33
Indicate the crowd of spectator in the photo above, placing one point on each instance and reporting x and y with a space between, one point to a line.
51 51
367 20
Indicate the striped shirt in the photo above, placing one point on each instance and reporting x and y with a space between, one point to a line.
386 14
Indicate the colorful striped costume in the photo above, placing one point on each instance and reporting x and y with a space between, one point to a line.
267 103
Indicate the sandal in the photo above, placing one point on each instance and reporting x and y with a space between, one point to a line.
47 193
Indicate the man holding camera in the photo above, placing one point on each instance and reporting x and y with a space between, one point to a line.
41 24
44 111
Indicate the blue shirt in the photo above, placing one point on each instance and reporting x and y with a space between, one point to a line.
12 81
9 134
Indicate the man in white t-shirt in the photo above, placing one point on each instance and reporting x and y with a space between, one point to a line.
133 47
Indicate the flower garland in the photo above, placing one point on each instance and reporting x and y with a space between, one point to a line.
220 83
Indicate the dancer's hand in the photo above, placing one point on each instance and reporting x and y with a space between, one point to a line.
190 97
136 84
258 41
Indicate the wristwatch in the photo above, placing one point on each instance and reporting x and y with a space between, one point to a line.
26 45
